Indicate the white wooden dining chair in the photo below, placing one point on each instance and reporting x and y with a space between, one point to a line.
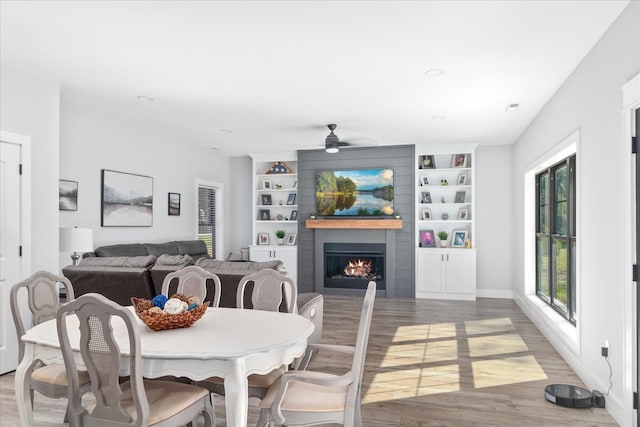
135 402
192 280
302 398
42 301
270 289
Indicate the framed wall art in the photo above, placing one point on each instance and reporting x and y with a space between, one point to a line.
67 195
127 199
174 204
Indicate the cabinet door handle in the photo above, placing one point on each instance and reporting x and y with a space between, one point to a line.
447 257
442 257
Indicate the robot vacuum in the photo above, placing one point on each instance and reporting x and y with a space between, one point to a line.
573 396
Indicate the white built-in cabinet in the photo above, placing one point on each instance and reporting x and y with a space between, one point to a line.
445 203
275 207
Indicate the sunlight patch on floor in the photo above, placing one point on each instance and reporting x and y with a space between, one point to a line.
419 353
425 332
487 326
512 370
403 384
496 344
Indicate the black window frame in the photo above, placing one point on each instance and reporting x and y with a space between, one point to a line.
551 236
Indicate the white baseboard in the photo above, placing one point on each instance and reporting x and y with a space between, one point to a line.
565 341
495 293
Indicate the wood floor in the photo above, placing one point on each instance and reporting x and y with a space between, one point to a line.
429 363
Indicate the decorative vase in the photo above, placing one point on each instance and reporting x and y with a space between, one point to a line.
444 215
443 243
281 241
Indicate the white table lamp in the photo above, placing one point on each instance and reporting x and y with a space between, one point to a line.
76 240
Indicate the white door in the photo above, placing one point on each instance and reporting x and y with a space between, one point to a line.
14 225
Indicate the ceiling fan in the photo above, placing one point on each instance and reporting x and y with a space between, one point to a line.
331 143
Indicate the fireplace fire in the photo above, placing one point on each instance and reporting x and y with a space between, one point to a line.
353 265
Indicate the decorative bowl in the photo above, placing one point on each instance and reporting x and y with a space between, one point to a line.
160 321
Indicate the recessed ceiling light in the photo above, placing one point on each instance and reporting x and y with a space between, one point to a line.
438 117
225 130
434 72
512 107
213 148
145 98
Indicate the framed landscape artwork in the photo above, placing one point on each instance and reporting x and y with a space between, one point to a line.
67 195
127 199
174 204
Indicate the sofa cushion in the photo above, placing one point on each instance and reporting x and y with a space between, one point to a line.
196 248
121 261
174 260
158 249
239 266
127 249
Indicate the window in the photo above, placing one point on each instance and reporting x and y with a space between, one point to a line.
556 237
209 218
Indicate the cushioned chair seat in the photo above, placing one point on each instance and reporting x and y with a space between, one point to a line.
309 397
216 384
56 374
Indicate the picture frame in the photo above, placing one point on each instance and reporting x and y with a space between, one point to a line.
427 161
291 200
294 216
459 161
460 196
263 238
265 215
426 214
424 180
266 199
427 239
127 199
266 184
173 204
463 214
67 195
426 197
462 179
291 239
459 238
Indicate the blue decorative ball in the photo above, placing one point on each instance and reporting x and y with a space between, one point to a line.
191 307
159 301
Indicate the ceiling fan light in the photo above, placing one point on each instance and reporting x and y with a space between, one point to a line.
331 149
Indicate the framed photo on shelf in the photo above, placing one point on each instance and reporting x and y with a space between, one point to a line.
266 184
67 195
463 214
294 216
462 179
265 215
424 180
459 161
263 238
291 200
266 199
460 196
427 162
427 239
458 239
426 214
426 197
174 204
291 239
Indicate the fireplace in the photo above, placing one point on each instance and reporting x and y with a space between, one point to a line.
353 265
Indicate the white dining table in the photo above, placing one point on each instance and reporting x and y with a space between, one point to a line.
226 342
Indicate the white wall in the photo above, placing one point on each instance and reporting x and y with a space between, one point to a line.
493 210
94 136
31 106
590 100
241 205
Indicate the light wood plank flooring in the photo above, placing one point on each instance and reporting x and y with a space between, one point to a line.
429 363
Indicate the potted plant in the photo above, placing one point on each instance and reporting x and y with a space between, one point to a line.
280 235
442 235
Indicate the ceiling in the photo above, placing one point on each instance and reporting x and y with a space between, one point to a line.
269 75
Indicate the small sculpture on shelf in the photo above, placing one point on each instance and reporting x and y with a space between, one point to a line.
442 199
444 182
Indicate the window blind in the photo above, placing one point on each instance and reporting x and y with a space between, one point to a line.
207 218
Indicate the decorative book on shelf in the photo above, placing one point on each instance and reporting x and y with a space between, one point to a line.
278 167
